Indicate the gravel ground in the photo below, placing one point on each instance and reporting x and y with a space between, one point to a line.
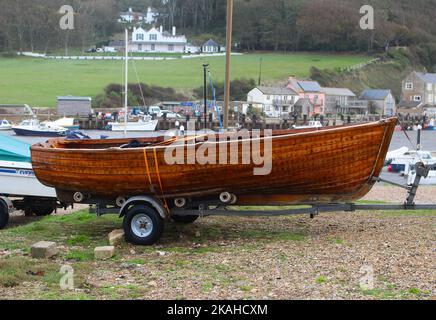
328 257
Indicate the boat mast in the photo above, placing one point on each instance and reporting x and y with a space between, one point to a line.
126 92
228 60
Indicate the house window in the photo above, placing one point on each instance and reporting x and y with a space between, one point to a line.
139 47
153 37
153 47
409 86
170 47
268 97
417 98
429 86
430 98
139 37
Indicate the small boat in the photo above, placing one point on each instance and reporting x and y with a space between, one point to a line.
34 128
67 123
5 125
400 160
144 124
16 172
325 165
311 125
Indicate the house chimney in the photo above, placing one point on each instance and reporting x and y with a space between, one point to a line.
174 31
130 9
161 29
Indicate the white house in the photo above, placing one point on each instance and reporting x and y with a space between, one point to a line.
210 46
157 40
274 101
130 16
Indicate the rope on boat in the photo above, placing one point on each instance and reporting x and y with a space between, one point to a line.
158 178
160 182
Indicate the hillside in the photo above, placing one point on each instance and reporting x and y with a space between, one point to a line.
387 73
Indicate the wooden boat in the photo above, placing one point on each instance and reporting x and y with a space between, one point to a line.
309 166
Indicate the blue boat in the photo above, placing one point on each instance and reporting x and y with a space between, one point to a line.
33 128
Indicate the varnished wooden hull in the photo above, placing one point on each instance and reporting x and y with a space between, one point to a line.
310 166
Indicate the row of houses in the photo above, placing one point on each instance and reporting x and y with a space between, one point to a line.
309 98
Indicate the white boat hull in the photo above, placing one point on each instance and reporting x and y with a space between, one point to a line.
134 126
18 179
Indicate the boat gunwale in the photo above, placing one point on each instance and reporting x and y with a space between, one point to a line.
50 144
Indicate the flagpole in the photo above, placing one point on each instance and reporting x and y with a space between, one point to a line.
228 62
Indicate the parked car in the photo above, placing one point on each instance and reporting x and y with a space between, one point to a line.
169 114
154 110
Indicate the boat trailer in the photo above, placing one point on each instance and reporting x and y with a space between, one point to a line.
144 216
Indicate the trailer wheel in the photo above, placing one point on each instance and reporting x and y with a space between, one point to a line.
143 225
184 219
4 215
42 210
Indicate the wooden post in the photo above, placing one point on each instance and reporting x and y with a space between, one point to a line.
228 61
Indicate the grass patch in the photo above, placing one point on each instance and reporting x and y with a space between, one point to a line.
42 80
15 270
80 255
321 280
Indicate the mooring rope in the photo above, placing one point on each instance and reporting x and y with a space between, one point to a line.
147 167
160 182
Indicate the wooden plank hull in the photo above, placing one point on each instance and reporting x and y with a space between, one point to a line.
310 166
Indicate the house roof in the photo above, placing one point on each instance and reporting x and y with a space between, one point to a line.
303 102
375 94
309 86
427 77
72 98
338 92
210 43
409 104
277 90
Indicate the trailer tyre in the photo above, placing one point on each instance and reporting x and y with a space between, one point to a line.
4 215
143 225
184 219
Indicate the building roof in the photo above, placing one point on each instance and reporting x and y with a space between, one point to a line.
72 98
309 86
375 94
409 104
277 90
338 92
303 102
427 77
210 43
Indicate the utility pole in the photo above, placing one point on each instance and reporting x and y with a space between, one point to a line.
205 94
228 61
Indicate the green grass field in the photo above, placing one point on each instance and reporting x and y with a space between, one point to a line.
37 82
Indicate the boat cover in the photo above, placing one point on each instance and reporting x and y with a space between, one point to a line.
14 150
